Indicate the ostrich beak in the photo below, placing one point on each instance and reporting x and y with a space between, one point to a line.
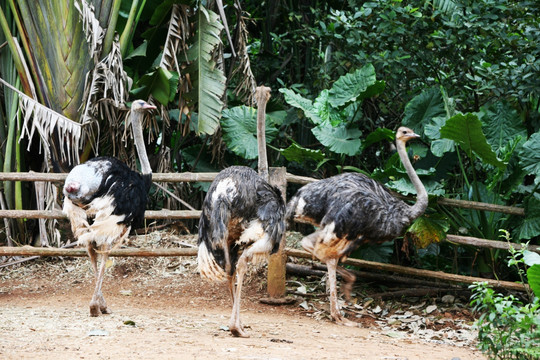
149 106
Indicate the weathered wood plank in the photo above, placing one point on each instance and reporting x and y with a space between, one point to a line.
372 265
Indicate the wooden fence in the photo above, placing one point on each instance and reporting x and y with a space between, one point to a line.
276 276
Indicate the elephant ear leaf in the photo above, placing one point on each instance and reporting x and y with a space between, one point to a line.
239 125
423 108
339 139
357 85
300 154
530 227
533 275
502 124
530 155
466 130
300 102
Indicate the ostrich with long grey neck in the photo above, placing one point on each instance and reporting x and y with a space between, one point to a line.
350 210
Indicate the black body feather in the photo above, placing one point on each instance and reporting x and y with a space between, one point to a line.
128 189
237 196
362 210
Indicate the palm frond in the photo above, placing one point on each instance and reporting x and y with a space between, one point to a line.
39 118
208 80
247 84
448 7
91 27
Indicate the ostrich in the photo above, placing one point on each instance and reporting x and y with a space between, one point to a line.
352 209
243 213
102 198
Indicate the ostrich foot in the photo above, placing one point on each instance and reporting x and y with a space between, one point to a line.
238 332
94 309
342 320
97 308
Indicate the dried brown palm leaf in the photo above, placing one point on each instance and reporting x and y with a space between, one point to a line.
91 27
39 118
247 84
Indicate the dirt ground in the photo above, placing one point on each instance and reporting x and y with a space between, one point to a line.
163 310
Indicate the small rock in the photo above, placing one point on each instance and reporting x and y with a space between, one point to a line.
98 332
448 299
377 310
431 308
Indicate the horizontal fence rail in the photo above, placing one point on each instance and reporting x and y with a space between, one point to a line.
371 265
208 177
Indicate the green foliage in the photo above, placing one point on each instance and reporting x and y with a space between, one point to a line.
532 260
531 225
507 329
239 125
208 79
333 111
301 155
501 124
423 108
354 86
466 130
530 155
533 274
161 84
340 139
427 230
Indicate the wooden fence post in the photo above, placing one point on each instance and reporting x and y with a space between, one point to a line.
278 261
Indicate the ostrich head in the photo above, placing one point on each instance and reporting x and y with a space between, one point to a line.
405 134
141 105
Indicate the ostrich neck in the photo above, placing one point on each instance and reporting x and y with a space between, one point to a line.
136 123
262 94
421 195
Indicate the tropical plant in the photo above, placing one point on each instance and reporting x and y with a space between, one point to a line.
508 329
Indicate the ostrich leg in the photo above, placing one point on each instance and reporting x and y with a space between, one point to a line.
334 306
98 304
235 326
310 243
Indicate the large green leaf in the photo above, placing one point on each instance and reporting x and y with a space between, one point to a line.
209 82
161 84
530 155
405 187
533 275
377 135
239 125
466 130
502 123
326 112
339 139
432 130
350 87
301 103
300 154
423 108
531 225
531 258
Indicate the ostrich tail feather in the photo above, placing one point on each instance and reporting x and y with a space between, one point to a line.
207 265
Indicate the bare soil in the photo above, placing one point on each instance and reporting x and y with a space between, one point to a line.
163 310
